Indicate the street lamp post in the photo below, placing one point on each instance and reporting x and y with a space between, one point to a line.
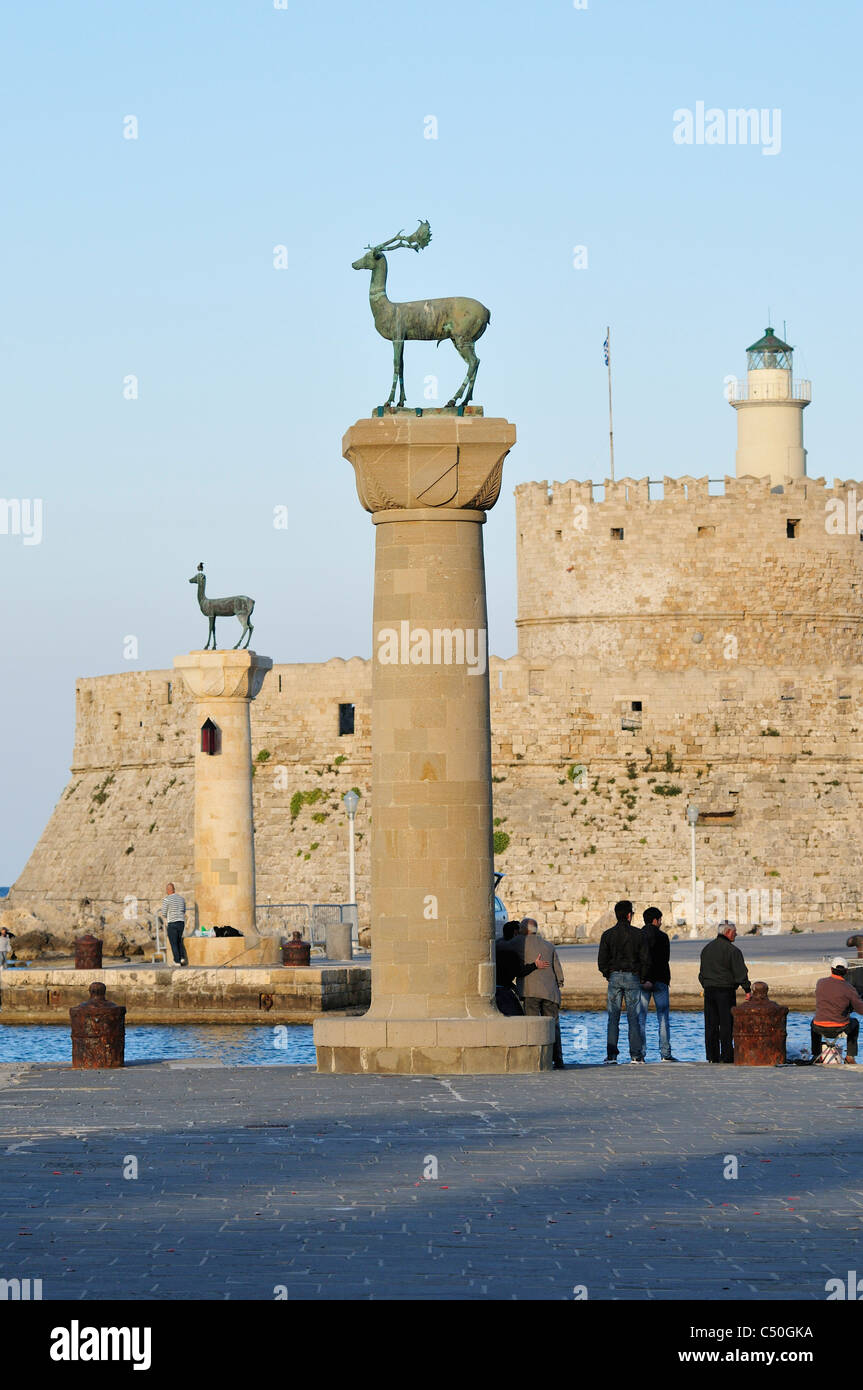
351 801
692 817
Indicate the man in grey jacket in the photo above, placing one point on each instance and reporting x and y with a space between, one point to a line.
541 989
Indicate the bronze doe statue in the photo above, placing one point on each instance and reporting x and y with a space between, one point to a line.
239 606
463 321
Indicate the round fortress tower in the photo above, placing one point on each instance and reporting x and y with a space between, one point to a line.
770 407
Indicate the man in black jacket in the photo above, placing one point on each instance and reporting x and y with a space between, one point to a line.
624 961
658 981
723 972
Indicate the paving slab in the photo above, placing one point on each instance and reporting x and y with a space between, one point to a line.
163 1182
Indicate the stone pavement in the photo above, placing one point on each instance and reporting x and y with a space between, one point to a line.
254 1178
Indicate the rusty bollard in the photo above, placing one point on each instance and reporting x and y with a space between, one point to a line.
759 1030
98 1031
296 951
88 952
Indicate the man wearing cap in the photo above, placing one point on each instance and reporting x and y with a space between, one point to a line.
722 973
834 1001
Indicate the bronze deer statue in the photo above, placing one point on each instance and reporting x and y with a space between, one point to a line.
463 321
239 606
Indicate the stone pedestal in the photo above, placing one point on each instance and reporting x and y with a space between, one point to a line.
428 482
223 685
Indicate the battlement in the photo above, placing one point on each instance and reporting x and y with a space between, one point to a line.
658 492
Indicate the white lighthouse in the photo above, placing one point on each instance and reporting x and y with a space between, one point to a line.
770 407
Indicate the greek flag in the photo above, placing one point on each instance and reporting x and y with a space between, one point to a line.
606 352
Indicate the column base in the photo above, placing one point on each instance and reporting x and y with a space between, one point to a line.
443 1046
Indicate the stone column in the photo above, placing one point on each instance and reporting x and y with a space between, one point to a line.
223 685
428 482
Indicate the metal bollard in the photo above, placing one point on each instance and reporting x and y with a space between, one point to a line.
98 1031
759 1030
296 951
88 952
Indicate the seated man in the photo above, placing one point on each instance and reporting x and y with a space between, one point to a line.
510 967
834 1001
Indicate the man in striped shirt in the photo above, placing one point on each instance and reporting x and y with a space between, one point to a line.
174 915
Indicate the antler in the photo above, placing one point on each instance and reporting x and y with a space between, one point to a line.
417 240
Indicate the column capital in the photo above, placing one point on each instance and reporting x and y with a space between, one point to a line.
430 461
226 675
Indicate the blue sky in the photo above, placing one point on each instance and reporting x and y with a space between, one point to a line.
304 127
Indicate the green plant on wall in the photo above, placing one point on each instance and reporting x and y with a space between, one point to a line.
100 795
501 840
301 799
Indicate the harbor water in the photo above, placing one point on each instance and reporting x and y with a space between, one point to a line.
238 1045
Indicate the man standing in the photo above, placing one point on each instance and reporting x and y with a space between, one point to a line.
510 967
174 915
834 1000
722 973
541 990
659 978
624 961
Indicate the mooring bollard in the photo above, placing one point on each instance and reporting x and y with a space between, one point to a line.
98 1031
759 1030
88 952
296 951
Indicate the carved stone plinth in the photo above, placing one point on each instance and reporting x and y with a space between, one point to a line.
223 685
428 483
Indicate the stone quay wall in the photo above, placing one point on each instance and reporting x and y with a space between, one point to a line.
589 792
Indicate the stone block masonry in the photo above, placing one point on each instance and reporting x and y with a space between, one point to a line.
758 576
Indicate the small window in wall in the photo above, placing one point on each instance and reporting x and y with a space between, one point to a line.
558 535
280 685
792 528
346 719
617 533
787 691
843 690
706 531
209 737
630 719
170 691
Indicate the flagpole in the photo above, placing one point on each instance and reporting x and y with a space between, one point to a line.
610 416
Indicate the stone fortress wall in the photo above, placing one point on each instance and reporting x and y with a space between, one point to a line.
638 578
710 655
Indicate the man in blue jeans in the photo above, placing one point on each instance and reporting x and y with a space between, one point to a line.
624 961
658 980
